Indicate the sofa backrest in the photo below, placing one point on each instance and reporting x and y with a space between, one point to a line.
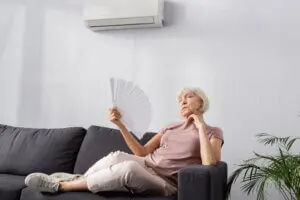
146 137
27 150
98 142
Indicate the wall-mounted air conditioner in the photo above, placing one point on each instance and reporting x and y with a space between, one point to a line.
123 14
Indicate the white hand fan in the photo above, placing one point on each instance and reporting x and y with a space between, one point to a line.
133 105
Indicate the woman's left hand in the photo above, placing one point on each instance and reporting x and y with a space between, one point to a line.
198 120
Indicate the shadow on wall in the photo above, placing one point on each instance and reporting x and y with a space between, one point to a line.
174 13
5 32
31 90
30 101
29 108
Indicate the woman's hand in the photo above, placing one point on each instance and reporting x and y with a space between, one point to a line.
115 117
133 144
210 149
198 120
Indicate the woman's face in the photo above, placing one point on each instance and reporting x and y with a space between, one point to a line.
189 103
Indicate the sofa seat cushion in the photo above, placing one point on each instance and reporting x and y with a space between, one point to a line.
26 150
151 197
31 194
11 186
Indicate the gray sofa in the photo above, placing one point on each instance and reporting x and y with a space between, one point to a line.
74 150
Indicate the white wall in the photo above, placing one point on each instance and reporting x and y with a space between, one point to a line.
244 53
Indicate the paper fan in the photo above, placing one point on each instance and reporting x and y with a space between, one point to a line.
133 104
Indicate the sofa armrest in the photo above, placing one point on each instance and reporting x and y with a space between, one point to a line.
198 182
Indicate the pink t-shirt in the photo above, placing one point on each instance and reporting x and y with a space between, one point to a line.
179 147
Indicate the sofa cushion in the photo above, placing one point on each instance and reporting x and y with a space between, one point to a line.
31 194
98 142
26 150
146 137
11 186
152 197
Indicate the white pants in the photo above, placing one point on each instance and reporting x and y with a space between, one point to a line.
119 171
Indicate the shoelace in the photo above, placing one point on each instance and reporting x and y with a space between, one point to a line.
48 183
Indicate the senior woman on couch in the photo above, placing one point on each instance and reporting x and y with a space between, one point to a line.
153 168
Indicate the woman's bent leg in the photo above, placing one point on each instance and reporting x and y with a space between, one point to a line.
130 175
106 164
112 159
115 171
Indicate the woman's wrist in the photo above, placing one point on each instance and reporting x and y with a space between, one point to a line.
121 126
200 126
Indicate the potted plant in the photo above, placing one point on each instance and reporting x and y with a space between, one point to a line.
281 170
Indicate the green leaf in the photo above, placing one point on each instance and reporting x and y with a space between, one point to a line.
281 170
291 142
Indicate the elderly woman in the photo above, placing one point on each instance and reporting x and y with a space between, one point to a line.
153 168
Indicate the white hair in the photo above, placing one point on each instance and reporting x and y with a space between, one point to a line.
199 93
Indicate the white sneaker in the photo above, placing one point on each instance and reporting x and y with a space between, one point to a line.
42 182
